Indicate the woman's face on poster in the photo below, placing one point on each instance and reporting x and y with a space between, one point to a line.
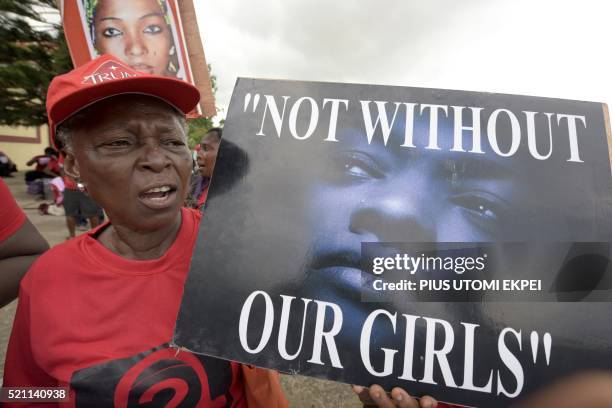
378 193
136 32
369 192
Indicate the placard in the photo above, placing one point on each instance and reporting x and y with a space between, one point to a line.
452 243
149 35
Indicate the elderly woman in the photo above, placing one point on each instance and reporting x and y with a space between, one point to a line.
96 313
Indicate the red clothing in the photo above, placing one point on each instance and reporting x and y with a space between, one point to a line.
99 323
45 162
203 195
54 165
11 216
41 162
70 184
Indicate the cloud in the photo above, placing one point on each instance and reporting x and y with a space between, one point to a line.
553 48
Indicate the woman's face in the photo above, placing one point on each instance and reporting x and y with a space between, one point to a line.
208 154
375 193
131 153
136 32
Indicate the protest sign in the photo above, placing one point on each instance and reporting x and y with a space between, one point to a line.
451 243
154 36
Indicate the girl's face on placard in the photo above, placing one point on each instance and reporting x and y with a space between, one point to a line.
136 32
378 193
369 192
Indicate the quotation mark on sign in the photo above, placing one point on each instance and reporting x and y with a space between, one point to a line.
547 342
247 101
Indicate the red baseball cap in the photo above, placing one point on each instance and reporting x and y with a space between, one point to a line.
107 76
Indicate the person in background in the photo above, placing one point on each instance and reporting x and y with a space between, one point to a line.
78 204
55 207
57 187
206 157
6 165
47 166
20 245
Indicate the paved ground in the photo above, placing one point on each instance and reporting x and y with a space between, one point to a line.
301 391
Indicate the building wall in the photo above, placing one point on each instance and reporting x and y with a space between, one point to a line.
23 143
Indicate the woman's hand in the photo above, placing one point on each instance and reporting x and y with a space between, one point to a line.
585 390
375 396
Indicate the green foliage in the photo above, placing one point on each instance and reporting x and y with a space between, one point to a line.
32 52
198 127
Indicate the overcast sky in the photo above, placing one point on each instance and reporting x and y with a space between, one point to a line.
552 48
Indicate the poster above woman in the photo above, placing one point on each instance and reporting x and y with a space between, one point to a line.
148 35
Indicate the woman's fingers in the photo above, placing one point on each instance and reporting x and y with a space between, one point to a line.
402 399
428 402
377 396
380 398
357 389
363 394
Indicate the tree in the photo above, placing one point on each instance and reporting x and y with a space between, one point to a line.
32 52
198 127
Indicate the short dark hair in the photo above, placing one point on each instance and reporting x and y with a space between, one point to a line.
217 131
49 151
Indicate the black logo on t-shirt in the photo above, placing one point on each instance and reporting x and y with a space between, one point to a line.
157 378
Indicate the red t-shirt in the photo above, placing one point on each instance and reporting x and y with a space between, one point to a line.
54 165
41 162
11 216
100 324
